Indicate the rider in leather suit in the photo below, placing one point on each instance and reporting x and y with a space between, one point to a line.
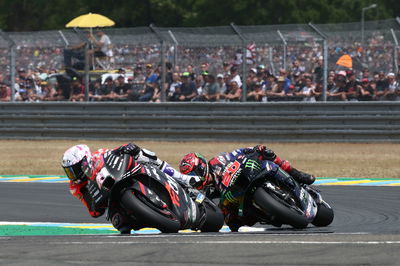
223 165
81 167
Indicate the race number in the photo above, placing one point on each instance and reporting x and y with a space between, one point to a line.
230 172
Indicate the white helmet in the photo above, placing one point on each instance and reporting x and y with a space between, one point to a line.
76 162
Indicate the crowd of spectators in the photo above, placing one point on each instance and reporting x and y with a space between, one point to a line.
143 83
210 73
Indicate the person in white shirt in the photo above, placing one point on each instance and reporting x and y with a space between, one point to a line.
235 76
102 44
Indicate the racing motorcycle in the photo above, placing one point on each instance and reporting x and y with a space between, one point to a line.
150 198
272 196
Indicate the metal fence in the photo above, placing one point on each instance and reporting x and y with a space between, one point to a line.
275 46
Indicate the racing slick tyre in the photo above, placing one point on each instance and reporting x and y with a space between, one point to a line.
214 218
324 215
147 215
278 208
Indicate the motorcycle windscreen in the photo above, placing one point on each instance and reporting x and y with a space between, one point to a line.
116 164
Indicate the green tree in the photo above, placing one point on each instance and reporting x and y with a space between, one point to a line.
24 15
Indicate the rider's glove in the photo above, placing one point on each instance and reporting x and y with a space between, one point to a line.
129 148
196 181
266 154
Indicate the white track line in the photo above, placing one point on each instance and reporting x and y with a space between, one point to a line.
230 242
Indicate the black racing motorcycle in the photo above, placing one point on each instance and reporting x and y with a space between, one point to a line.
272 196
147 197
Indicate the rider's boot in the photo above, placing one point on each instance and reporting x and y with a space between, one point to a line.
302 177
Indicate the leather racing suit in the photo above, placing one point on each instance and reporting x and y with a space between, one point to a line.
90 195
223 166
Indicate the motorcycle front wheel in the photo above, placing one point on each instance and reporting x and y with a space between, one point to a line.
324 215
148 215
214 218
278 208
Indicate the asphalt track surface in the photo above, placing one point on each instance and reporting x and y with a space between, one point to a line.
366 231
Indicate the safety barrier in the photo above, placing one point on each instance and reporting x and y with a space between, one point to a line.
266 122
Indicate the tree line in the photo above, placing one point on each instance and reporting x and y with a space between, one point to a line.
31 15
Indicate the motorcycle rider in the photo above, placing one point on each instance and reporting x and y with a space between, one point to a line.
82 166
213 172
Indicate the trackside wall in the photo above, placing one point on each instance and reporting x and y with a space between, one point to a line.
266 122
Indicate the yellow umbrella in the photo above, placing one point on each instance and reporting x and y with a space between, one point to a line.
90 20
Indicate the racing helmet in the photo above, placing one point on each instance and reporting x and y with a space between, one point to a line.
194 164
76 162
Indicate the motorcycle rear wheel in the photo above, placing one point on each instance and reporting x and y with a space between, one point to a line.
276 207
149 217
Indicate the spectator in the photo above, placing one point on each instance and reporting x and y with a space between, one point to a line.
330 83
102 44
365 74
260 69
151 75
187 90
308 91
204 67
107 90
269 83
176 83
157 94
381 86
277 91
25 80
296 67
226 68
338 92
77 52
221 83
211 90
234 93
121 89
255 93
393 88
199 82
150 84
190 70
318 70
77 90
287 82
59 95
298 82
352 86
235 76
168 75
40 90
49 92
133 90
251 77
319 87
138 77
95 90
366 89
5 93
174 97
